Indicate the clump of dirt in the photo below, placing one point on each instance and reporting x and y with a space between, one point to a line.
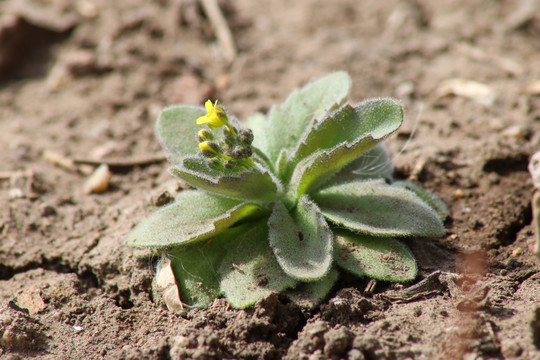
83 81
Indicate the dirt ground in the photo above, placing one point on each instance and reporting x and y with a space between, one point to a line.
86 79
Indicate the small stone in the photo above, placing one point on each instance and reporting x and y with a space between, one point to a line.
31 300
459 194
318 327
355 354
98 182
510 348
337 340
516 252
15 193
534 169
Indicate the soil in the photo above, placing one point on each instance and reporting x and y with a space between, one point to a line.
86 79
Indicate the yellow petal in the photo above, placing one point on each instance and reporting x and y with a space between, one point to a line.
203 119
208 106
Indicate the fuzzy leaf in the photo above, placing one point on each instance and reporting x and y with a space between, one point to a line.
310 294
176 129
194 267
379 258
195 215
256 184
302 242
373 164
281 165
249 270
287 123
375 208
257 123
429 198
379 119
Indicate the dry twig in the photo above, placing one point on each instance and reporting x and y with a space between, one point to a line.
119 164
221 28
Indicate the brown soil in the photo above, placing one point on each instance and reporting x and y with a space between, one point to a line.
85 79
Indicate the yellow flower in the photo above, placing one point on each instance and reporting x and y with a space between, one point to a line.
209 148
215 116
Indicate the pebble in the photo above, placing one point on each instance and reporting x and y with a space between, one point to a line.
355 354
337 340
510 348
534 169
98 182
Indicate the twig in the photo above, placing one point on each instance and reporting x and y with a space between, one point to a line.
59 160
7 175
118 164
221 28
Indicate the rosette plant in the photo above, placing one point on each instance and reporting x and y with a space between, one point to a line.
286 199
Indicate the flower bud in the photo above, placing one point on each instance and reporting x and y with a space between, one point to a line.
246 136
214 163
209 149
229 140
227 131
239 152
205 134
230 164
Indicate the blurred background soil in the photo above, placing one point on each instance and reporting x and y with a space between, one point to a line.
81 83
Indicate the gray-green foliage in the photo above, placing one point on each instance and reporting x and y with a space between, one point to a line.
315 195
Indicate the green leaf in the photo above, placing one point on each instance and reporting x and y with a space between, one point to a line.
249 270
379 258
287 123
375 208
255 184
257 123
373 164
195 215
310 294
379 118
429 198
194 267
302 242
281 165
176 129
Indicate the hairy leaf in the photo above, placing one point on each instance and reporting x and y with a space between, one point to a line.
249 270
430 198
302 242
376 117
373 164
195 271
194 215
380 258
176 129
287 123
258 123
310 294
255 184
379 119
375 208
